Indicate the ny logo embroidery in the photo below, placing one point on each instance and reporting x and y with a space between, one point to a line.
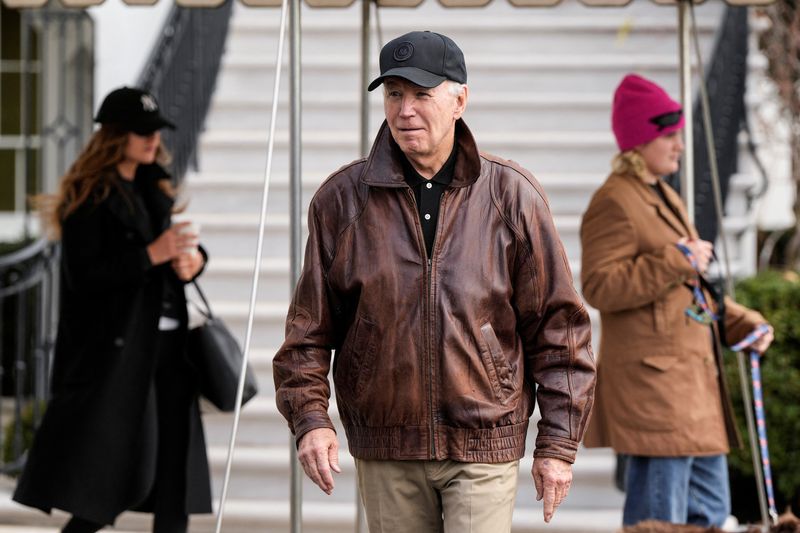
149 103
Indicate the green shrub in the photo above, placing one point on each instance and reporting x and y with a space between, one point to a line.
10 459
777 296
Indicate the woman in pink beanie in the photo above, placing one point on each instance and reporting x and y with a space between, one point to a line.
661 397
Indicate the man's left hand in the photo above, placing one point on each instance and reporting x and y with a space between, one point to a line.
187 265
552 478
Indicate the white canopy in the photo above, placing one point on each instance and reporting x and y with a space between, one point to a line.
384 3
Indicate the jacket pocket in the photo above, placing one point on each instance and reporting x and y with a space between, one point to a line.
658 393
497 367
358 356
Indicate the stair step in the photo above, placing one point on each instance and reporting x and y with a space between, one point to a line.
244 75
235 236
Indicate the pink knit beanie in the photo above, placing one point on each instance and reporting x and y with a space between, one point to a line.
643 111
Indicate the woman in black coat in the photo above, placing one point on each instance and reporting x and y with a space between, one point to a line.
122 429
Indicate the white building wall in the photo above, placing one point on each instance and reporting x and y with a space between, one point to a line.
124 36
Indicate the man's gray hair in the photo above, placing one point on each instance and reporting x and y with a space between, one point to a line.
455 88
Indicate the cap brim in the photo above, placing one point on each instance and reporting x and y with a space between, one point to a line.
152 125
415 75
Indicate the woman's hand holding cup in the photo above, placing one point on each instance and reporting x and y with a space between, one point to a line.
189 261
171 243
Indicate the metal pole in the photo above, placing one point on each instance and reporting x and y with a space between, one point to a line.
295 220
687 189
365 55
687 169
25 106
755 449
361 523
256 269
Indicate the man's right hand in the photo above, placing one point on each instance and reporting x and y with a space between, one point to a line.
318 452
702 250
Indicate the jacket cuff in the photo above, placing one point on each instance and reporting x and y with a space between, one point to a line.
310 420
556 447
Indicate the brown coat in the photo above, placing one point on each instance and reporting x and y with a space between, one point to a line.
660 391
437 358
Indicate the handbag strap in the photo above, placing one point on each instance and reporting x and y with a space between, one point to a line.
207 313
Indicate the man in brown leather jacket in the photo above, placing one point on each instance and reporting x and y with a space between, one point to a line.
436 274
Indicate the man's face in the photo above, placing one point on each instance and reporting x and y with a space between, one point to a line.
422 120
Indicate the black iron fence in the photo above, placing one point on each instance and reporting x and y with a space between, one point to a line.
182 72
28 301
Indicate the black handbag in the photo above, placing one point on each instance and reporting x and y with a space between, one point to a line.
216 355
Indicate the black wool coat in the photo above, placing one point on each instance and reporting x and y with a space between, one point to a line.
94 454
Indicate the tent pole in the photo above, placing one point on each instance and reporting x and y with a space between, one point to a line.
687 169
296 239
362 89
685 20
361 523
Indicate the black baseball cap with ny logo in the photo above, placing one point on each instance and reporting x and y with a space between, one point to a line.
424 58
132 109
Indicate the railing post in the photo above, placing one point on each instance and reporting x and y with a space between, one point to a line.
20 371
2 373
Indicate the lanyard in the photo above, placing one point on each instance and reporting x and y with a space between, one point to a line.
758 402
699 310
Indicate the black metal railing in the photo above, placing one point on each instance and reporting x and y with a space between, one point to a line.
28 318
182 72
726 78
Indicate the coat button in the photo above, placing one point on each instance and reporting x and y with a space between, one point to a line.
129 235
119 342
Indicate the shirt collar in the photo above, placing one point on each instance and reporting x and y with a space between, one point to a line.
443 177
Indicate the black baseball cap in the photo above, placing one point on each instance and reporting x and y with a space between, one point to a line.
424 58
134 109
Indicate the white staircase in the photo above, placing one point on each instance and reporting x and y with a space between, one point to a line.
541 82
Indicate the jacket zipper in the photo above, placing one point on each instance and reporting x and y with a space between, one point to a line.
430 320
427 307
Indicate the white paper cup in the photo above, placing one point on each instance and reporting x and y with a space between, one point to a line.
193 229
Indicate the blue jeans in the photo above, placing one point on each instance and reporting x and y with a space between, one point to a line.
681 490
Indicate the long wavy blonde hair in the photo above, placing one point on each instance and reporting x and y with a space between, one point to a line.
92 175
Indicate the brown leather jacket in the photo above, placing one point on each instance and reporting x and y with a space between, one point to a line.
437 358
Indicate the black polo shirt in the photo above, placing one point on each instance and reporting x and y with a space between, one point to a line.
428 193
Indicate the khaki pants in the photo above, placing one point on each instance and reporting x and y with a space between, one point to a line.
437 496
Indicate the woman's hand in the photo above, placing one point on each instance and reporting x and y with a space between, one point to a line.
187 265
171 243
761 344
702 251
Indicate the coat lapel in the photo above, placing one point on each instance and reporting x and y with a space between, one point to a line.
676 202
158 205
665 213
128 213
